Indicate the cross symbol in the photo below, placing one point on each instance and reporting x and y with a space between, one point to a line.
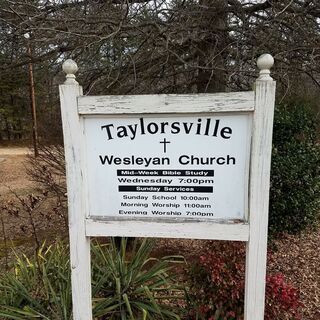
164 144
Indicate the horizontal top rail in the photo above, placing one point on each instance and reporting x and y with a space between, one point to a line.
167 103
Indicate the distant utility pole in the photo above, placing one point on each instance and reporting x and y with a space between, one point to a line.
32 98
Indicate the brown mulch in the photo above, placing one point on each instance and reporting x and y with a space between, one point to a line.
298 258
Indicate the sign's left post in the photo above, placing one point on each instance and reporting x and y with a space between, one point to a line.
79 243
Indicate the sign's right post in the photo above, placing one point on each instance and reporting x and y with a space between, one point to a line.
256 256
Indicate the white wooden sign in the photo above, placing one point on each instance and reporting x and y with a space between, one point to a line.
176 166
173 166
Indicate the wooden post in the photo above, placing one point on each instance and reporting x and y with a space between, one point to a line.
32 100
79 243
259 191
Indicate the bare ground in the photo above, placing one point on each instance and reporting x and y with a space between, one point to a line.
16 231
12 171
297 257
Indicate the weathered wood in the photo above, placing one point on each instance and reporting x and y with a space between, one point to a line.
187 103
173 229
79 243
259 192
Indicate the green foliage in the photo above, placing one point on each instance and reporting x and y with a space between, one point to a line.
38 288
132 287
124 286
295 172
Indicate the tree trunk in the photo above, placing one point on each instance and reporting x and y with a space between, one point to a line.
211 73
7 129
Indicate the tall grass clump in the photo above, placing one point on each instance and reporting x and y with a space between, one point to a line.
38 288
133 285
125 285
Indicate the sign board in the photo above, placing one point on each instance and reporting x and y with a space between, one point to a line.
179 166
169 166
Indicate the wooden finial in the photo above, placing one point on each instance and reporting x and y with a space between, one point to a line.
265 63
69 67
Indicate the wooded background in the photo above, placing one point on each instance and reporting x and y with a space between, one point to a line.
141 46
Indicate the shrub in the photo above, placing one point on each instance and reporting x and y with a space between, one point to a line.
48 169
217 280
133 287
281 297
39 287
124 286
295 171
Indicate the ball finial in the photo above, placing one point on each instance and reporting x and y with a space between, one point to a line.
69 67
265 63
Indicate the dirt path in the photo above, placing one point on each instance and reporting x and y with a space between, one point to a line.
13 171
10 151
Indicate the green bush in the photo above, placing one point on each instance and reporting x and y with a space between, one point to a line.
295 171
125 286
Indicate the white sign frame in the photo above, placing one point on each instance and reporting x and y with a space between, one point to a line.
260 103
